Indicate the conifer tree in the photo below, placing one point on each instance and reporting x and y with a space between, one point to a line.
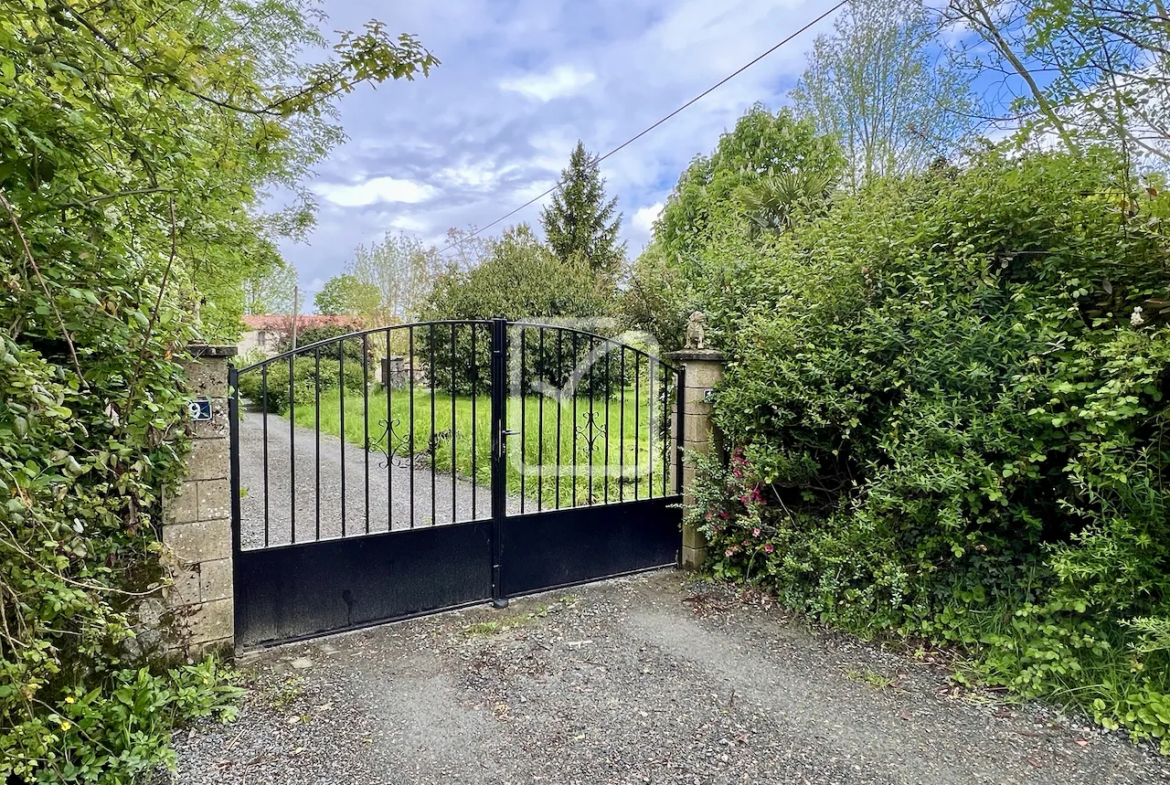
580 223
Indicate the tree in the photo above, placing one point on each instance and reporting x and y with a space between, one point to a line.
762 145
396 276
872 84
468 249
655 297
137 139
763 173
580 222
1087 71
520 278
271 292
345 295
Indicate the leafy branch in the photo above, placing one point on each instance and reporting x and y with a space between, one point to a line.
44 286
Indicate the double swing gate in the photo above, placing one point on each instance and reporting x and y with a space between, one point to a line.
414 468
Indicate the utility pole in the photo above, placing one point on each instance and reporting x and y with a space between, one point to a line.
296 316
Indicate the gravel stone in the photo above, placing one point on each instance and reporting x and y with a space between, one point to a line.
648 679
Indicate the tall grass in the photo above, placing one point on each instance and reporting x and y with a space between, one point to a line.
626 459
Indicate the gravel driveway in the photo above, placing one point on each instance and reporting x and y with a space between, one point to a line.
295 480
651 679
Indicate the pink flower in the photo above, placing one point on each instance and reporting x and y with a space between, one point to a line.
723 514
756 532
769 548
746 543
727 552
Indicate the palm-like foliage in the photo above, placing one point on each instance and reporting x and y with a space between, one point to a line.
773 203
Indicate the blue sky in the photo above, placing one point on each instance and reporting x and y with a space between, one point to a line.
521 81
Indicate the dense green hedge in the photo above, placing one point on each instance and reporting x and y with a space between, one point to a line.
309 380
946 403
351 348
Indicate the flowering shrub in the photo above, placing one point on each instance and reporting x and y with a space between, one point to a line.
949 401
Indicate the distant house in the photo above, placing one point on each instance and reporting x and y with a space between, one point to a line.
265 332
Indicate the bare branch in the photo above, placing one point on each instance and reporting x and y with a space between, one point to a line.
976 13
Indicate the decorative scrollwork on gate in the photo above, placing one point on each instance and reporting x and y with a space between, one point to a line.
590 430
392 444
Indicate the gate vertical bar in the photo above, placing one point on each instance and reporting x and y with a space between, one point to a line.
233 414
540 367
523 421
365 418
264 405
499 453
608 395
573 423
590 432
341 398
680 431
410 401
433 446
474 417
454 429
560 382
234 455
292 452
317 437
389 435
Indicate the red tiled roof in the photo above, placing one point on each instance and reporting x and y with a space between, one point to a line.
281 321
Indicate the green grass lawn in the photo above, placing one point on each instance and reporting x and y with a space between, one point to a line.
619 451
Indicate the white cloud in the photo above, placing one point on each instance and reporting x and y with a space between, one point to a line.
531 191
562 81
473 175
644 218
409 223
378 189
484 133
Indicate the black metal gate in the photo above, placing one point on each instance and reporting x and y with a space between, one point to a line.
414 468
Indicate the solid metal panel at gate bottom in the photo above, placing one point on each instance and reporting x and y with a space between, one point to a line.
547 550
300 591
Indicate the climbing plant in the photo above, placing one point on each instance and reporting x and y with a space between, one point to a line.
136 142
946 401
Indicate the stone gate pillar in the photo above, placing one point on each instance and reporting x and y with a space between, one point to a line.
197 520
702 370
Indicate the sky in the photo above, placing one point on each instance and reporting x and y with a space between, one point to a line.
520 82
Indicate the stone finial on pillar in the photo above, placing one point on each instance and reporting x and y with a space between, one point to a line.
702 370
197 522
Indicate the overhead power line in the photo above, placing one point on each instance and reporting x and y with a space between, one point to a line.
650 128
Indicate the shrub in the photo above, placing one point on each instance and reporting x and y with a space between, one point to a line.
947 397
762 176
307 381
519 278
350 347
